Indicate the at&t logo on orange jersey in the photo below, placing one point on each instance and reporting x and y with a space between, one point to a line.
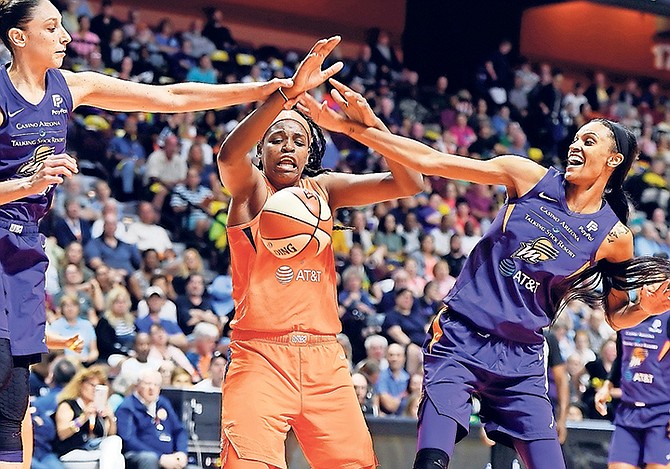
286 275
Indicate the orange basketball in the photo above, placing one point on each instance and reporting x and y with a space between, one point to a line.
295 221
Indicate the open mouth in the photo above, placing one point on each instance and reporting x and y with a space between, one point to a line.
287 164
575 160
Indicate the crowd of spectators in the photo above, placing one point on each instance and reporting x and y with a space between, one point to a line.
139 262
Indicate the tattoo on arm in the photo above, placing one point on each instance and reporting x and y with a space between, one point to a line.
617 231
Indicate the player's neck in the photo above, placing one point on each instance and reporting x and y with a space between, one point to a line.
28 81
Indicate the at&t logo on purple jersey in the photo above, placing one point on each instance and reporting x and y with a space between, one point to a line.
507 268
286 275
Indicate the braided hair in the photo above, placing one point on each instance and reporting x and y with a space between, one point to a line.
594 284
317 148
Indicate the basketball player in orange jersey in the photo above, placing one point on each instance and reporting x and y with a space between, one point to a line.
287 369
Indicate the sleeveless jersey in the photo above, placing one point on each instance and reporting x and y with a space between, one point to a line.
645 364
509 284
28 136
281 295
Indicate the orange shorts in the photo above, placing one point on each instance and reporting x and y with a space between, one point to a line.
298 381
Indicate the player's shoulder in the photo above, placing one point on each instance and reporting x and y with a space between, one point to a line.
618 244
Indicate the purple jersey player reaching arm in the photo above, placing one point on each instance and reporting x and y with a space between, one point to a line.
642 374
35 101
558 237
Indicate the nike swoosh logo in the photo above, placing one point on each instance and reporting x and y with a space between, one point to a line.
12 114
544 196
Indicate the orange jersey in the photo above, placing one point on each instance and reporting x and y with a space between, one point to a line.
281 295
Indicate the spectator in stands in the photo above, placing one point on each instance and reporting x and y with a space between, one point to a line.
368 400
105 22
192 201
169 309
205 336
114 50
360 234
391 387
130 368
204 72
442 277
86 429
191 263
357 312
389 239
214 380
44 433
165 38
217 32
384 56
180 378
200 45
375 350
195 306
152 433
415 282
425 257
405 325
165 169
155 298
74 254
598 92
411 231
456 257
72 227
70 324
125 157
122 257
112 208
162 350
140 280
599 371
647 242
84 41
430 302
115 330
597 329
146 233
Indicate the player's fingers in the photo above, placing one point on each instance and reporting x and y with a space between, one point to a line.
332 70
326 46
339 99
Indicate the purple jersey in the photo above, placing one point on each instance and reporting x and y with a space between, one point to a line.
510 283
645 373
29 135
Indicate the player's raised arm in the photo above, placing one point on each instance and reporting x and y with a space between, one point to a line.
238 175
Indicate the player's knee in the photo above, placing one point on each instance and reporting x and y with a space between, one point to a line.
6 363
431 458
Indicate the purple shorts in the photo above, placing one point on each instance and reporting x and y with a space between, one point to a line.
23 264
508 377
641 435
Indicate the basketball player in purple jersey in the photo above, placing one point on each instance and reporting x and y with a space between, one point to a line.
642 372
557 238
35 102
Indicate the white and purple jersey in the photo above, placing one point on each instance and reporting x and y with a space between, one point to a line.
29 135
511 282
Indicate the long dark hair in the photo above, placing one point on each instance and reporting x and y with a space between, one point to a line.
15 14
317 148
594 285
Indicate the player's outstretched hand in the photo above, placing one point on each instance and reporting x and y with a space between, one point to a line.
321 114
655 298
309 74
353 104
53 171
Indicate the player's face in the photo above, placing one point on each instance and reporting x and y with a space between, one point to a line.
285 149
45 37
589 153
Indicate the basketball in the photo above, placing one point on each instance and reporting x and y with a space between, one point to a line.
295 221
